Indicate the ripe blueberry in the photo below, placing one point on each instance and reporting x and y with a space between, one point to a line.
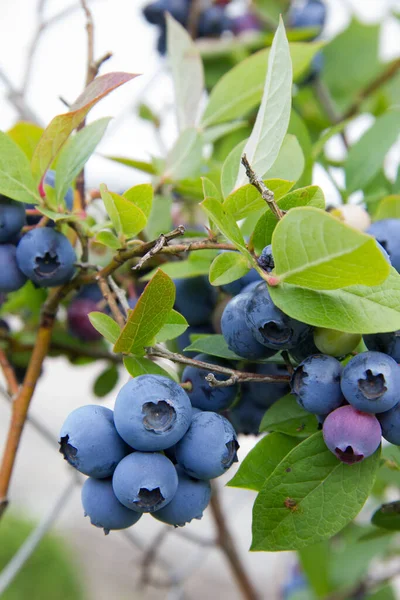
152 413
305 348
387 232
11 276
390 423
209 447
269 325
246 416
312 14
351 435
12 218
145 481
46 257
266 260
191 499
102 507
388 343
213 21
90 442
371 381
202 395
195 299
316 384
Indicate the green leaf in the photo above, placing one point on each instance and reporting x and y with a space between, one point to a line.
210 190
108 239
105 325
308 196
230 168
138 365
273 116
226 224
212 134
142 196
75 154
262 460
289 163
354 309
388 516
248 79
362 164
388 208
26 135
322 491
140 165
286 416
175 325
126 217
185 157
316 564
52 214
28 299
61 127
313 249
272 9
16 179
187 73
247 199
149 315
198 263
106 382
228 267
160 220
215 345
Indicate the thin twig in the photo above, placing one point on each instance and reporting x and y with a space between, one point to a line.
109 298
9 374
258 183
214 382
120 294
150 556
159 244
25 113
234 375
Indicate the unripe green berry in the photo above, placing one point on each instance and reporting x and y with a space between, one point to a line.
335 343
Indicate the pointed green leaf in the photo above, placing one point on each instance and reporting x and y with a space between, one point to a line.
105 325
246 199
273 116
308 196
261 461
160 220
126 217
226 224
210 190
228 267
140 165
185 157
149 315
142 196
106 382
287 416
175 325
215 345
187 73
321 490
388 208
75 154
56 216
313 249
230 168
198 263
289 163
26 135
138 365
61 127
16 179
354 309
108 239
388 516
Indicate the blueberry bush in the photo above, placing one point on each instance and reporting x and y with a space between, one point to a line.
237 298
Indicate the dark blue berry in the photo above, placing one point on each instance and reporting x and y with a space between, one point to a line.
316 384
387 232
195 299
311 14
388 343
246 416
266 260
11 276
213 21
390 423
12 218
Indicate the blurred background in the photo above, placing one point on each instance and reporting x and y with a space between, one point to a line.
90 566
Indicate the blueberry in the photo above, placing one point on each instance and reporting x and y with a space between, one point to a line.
202 395
145 481
78 319
11 277
335 343
245 23
237 333
370 382
12 218
305 348
269 325
191 499
235 287
351 435
312 14
387 232
213 21
316 384
152 412
102 507
154 13
90 442
390 423
90 292
195 299
389 343
246 416
183 341
209 447
46 257
266 260
265 394
50 180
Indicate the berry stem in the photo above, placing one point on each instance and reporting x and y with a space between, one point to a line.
9 374
258 183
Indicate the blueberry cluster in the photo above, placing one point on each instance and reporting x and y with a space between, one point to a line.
155 453
43 255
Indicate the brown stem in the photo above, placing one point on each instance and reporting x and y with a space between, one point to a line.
194 14
110 299
159 244
258 183
9 374
234 376
226 542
